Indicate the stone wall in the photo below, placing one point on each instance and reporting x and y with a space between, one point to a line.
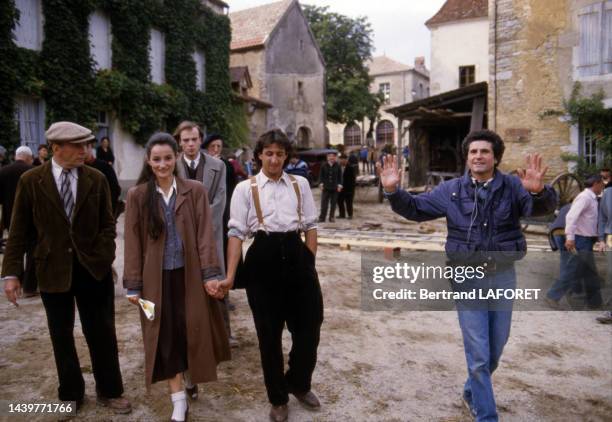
528 52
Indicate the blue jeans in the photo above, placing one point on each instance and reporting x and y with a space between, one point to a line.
485 330
575 268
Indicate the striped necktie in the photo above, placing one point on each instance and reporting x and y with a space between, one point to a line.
66 193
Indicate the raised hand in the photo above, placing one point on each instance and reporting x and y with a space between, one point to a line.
532 177
389 174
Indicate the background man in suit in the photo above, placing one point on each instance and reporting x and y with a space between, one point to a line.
108 171
346 195
65 207
211 172
331 184
9 176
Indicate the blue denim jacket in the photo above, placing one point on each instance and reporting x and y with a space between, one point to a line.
492 225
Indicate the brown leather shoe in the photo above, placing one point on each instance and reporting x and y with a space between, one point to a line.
279 413
117 405
309 400
192 392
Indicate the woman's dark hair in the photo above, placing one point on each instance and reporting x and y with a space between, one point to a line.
484 135
155 221
274 136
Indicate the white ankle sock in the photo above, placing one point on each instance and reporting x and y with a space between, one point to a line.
179 401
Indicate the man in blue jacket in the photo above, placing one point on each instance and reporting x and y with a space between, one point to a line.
483 210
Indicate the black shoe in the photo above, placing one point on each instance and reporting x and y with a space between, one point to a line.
192 392
308 400
341 216
332 220
279 413
321 220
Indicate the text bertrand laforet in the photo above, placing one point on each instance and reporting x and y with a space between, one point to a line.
458 274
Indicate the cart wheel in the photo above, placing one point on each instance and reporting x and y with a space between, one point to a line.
567 186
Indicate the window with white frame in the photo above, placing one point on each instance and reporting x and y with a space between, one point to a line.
29 118
200 62
385 90
29 29
588 147
100 39
157 56
595 47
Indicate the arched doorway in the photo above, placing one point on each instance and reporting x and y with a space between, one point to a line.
303 137
385 132
352 134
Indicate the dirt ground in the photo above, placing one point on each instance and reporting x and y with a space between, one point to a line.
372 366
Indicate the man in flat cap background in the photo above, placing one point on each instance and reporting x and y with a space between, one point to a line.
65 208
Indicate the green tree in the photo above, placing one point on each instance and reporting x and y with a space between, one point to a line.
346 44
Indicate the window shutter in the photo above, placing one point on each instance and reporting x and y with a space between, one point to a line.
590 40
607 34
157 56
100 39
200 62
28 28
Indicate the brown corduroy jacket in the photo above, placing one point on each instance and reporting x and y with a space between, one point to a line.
38 215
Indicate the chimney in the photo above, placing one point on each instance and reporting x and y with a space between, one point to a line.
419 62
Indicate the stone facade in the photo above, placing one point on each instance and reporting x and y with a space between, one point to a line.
286 68
406 84
534 51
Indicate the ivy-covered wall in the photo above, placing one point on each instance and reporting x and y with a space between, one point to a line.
63 72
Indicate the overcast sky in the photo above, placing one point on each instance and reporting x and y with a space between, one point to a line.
398 25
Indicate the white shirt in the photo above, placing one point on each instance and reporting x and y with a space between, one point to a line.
170 192
581 219
73 176
196 161
278 205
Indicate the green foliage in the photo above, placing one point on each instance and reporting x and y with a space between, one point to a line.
63 72
8 75
593 117
239 134
582 169
346 44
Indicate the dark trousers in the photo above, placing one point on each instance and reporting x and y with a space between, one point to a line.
328 197
95 300
345 199
283 288
576 269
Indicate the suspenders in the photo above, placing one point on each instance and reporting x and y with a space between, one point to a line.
257 203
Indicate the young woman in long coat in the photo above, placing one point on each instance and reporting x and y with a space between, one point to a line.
171 260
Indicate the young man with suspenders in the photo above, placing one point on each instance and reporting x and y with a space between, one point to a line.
280 276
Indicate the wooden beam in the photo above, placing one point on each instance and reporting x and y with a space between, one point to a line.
477 113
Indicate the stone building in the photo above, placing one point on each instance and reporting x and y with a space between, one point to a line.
255 109
286 68
459 45
538 50
458 81
399 83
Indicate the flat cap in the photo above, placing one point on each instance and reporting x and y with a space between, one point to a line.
68 132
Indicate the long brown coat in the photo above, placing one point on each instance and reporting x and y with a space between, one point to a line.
207 342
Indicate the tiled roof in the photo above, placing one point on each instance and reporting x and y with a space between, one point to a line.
455 10
251 27
383 64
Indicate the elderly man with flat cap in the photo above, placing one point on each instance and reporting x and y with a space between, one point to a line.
65 208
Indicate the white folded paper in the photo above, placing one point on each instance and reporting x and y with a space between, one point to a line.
148 308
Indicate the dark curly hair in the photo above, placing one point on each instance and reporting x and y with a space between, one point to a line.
273 136
484 135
